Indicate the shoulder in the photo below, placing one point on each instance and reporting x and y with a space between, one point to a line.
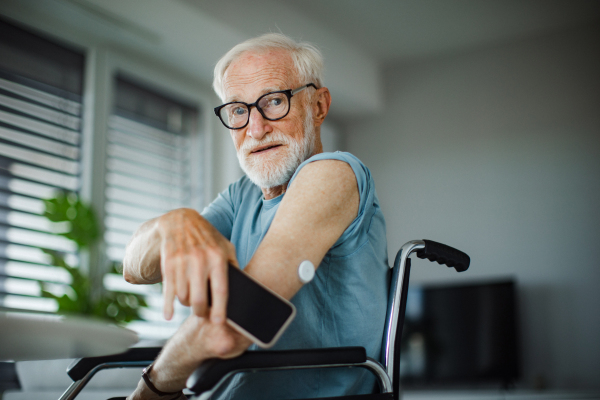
335 165
342 181
336 155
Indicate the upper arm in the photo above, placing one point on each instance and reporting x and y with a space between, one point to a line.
316 210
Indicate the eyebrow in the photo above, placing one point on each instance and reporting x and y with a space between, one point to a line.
262 93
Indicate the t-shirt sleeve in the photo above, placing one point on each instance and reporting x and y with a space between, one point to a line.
357 232
221 211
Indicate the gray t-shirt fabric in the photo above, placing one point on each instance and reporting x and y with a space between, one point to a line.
345 303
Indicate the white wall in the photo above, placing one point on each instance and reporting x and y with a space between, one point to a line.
330 136
225 166
497 152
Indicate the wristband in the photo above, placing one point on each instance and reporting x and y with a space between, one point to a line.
146 377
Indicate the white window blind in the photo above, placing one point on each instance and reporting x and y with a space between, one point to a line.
40 124
148 172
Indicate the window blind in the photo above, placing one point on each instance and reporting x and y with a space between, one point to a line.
148 172
40 136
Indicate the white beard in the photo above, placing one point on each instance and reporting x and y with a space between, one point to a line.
266 173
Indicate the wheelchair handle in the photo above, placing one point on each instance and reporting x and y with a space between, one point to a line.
445 255
433 251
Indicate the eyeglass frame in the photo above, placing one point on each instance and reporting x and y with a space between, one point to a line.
288 92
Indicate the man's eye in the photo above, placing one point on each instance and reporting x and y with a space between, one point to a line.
276 101
239 111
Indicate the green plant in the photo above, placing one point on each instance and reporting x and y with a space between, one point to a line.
79 221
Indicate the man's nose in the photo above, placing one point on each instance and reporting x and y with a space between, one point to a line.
258 126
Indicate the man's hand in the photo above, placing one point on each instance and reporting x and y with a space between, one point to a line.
196 340
188 255
193 260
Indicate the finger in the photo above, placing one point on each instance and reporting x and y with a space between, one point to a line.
182 286
168 288
231 254
219 291
199 289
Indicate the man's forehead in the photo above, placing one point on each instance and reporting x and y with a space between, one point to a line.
264 71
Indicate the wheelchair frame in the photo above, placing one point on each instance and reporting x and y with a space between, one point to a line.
212 374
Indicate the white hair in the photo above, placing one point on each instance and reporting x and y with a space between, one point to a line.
307 59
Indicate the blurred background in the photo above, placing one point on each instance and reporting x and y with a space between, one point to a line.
479 120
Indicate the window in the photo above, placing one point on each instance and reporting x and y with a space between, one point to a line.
41 87
148 141
148 172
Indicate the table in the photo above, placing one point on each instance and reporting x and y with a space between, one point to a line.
25 336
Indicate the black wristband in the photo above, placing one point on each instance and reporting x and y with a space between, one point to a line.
146 377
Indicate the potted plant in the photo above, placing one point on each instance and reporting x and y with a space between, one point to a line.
81 298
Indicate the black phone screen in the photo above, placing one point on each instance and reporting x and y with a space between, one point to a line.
254 308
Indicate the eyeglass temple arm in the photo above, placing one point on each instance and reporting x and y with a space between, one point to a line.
293 92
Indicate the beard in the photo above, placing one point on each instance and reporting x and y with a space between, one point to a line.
268 172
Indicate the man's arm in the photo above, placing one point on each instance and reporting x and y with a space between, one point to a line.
317 208
196 340
141 264
186 253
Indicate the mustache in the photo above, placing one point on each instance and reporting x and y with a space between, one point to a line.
273 138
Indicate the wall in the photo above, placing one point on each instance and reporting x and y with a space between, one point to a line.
497 152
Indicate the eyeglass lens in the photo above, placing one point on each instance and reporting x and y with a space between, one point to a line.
272 105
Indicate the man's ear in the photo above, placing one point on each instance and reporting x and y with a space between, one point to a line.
321 105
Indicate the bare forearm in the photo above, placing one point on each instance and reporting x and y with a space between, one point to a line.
141 264
196 340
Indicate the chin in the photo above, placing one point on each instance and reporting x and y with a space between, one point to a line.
270 173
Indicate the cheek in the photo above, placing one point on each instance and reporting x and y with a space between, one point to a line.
237 139
296 126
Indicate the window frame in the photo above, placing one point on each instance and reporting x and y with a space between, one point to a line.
102 67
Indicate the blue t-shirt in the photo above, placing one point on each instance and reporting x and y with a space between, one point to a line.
344 305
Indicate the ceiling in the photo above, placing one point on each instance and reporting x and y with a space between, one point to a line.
357 37
402 30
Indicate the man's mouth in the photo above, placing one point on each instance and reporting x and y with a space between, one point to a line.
264 149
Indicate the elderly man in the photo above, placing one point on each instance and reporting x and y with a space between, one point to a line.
295 203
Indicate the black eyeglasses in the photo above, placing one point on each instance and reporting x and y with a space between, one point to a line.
272 106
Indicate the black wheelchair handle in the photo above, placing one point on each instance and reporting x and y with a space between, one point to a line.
444 254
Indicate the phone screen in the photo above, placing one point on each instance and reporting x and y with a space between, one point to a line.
257 310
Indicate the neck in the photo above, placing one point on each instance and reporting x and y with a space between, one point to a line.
271 193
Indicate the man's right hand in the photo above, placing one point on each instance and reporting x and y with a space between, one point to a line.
193 259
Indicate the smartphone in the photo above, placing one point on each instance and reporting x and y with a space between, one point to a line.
255 310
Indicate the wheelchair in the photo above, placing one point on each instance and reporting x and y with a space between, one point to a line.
212 374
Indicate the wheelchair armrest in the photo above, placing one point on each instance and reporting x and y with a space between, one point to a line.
212 371
80 367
